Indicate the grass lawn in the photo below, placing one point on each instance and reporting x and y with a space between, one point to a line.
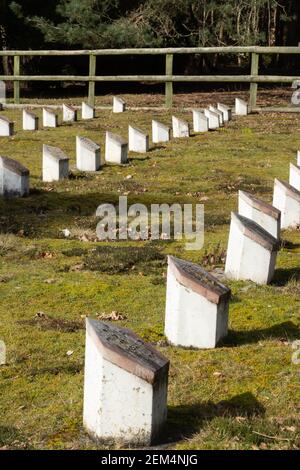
242 395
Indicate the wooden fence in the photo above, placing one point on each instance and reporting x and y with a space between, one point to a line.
168 78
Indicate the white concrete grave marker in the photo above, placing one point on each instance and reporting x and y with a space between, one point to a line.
2 93
287 199
241 107
213 119
295 176
119 105
116 149
197 306
138 141
30 121
69 113
6 127
200 121
251 252
265 215
219 113
50 118
125 385
88 111
55 164
160 132
180 128
298 157
2 353
14 178
88 154
226 110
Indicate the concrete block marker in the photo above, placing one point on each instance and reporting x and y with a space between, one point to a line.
14 178
2 93
226 110
88 154
219 113
2 353
180 128
241 107
69 113
6 127
200 121
197 306
295 176
213 119
125 386
116 149
265 215
138 141
55 164
298 157
119 105
50 118
287 199
160 132
251 252
87 111
30 121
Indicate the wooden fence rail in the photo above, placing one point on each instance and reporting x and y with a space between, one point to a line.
168 78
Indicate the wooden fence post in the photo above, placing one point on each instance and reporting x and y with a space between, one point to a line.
16 83
92 73
253 86
169 85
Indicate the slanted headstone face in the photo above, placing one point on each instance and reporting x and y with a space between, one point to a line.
200 121
287 199
265 215
69 113
2 92
180 128
226 110
55 164
213 119
251 253
88 156
6 127
50 118
295 176
125 385
30 121
241 107
88 112
14 178
138 141
119 105
197 306
116 149
219 113
160 132
2 353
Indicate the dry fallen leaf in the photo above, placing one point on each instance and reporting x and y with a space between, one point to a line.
113 316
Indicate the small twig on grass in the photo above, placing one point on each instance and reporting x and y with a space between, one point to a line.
276 438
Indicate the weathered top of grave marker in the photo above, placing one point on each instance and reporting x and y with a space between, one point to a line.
255 232
136 129
30 113
88 143
290 190
117 138
123 348
196 278
295 167
160 124
14 166
5 119
55 152
49 110
260 205
69 107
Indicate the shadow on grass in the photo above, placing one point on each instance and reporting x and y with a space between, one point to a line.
283 276
186 420
11 438
283 331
